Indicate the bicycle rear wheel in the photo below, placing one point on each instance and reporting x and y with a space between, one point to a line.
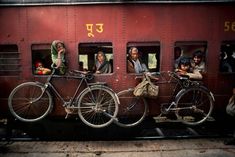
97 106
194 105
28 102
132 110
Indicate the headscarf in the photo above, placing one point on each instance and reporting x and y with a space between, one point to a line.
54 53
54 56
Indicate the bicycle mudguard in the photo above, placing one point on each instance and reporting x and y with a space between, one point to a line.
39 83
211 94
202 87
97 83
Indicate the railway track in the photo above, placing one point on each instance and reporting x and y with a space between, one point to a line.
67 130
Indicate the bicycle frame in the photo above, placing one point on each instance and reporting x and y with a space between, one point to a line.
52 87
181 84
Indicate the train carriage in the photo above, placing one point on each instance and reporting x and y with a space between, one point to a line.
156 28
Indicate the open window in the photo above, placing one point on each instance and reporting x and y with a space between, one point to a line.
148 54
195 51
227 57
41 56
9 60
88 59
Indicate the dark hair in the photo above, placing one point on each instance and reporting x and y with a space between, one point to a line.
102 53
177 49
198 53
184 61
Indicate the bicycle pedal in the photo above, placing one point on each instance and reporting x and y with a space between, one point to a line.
160 119
188 118
210 119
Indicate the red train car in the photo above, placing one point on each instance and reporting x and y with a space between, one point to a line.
156 28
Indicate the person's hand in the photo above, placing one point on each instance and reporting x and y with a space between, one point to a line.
98 72
58 63
181 72
61 50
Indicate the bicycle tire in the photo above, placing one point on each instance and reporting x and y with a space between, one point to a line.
22 105
97 106
194 105
132 110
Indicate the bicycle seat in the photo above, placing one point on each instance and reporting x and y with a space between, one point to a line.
87 74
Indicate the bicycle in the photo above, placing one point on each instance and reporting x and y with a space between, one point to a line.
191 102
96 104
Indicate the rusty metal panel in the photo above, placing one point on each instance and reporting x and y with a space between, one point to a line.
10 25
46 23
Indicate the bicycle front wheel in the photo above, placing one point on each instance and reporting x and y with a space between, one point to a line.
29 102
194 105
97 106
132 110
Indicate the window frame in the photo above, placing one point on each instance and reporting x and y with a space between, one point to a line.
224 43
138 45
201 45
40 49
93 49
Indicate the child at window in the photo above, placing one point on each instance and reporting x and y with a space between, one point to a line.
40 70
198 62
185 69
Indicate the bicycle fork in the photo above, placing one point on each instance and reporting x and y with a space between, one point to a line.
43 91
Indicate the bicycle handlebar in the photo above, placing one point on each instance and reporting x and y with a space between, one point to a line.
177 76
87 74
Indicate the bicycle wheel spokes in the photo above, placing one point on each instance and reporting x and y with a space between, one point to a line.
97 107
194 106
132 109
25 105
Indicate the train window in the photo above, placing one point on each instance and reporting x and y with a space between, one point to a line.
195 51
41 57
227 57
148 53
9 60
89 61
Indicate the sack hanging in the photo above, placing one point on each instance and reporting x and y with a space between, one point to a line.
146 88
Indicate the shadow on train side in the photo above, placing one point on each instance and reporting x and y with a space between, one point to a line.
70 130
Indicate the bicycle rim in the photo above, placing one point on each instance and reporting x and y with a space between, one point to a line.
132 110
194 106
97 106
23 103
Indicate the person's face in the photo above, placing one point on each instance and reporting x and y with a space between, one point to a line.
100 58
39 65
177 53
184 67
59 46
134 54
197 60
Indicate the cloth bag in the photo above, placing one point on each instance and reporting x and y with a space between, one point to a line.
146 88
230 109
